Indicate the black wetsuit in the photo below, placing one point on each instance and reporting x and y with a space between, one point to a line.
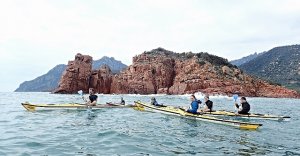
245 108
155 103
122 102
209 105
93 98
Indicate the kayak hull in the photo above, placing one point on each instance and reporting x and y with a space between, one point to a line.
75 106
179 112
248 116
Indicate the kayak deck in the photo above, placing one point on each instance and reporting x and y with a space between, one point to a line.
251 115
34 107
176 111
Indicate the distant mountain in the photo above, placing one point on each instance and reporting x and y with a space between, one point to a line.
44 83
49 81
245 59
279 65
115 65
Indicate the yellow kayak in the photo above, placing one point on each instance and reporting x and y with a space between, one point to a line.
179 112
249 116
34 107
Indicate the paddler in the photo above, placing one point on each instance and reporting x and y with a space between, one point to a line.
194 105
92 98
208 104
154 102
244 107
122 101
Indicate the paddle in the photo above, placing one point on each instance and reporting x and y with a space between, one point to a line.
235 97
80 92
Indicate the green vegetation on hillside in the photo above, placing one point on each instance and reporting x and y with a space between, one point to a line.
279 65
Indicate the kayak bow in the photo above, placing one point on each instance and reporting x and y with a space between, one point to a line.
179 112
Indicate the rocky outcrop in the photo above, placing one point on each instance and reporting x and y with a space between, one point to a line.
49 81
101 80
162 71
147 75
77 75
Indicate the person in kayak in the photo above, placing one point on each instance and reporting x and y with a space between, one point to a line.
122 101
244 107
208 104
92 98
155 103
194 105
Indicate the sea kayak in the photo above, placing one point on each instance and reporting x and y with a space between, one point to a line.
249 116
34 107
179 112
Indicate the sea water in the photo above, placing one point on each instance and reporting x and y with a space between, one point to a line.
124 131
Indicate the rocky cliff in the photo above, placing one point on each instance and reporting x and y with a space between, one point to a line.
49 81
77 75
162 71
101 80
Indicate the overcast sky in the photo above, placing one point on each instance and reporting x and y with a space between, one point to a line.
37 35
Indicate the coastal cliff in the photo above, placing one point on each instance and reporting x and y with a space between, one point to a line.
49 81
163 71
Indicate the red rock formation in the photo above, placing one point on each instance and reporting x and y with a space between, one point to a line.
147 75
77 75
101 80
161 71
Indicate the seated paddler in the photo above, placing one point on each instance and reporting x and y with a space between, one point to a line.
194 105
92 100
155 103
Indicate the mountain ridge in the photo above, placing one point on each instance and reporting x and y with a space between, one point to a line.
280 65
246 59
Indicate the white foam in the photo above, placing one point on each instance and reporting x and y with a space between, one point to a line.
200 95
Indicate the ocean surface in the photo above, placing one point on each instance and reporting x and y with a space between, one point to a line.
124 131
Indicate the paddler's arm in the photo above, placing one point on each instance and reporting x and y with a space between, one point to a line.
205 109
237 105
94 103
84 99
89 103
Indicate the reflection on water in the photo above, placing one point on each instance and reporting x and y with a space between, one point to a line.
289 153
248 147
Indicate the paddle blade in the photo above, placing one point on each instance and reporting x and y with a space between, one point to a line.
235 97
80 92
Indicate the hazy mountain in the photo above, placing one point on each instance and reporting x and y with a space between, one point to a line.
115 65
44 83
246 59
50 80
